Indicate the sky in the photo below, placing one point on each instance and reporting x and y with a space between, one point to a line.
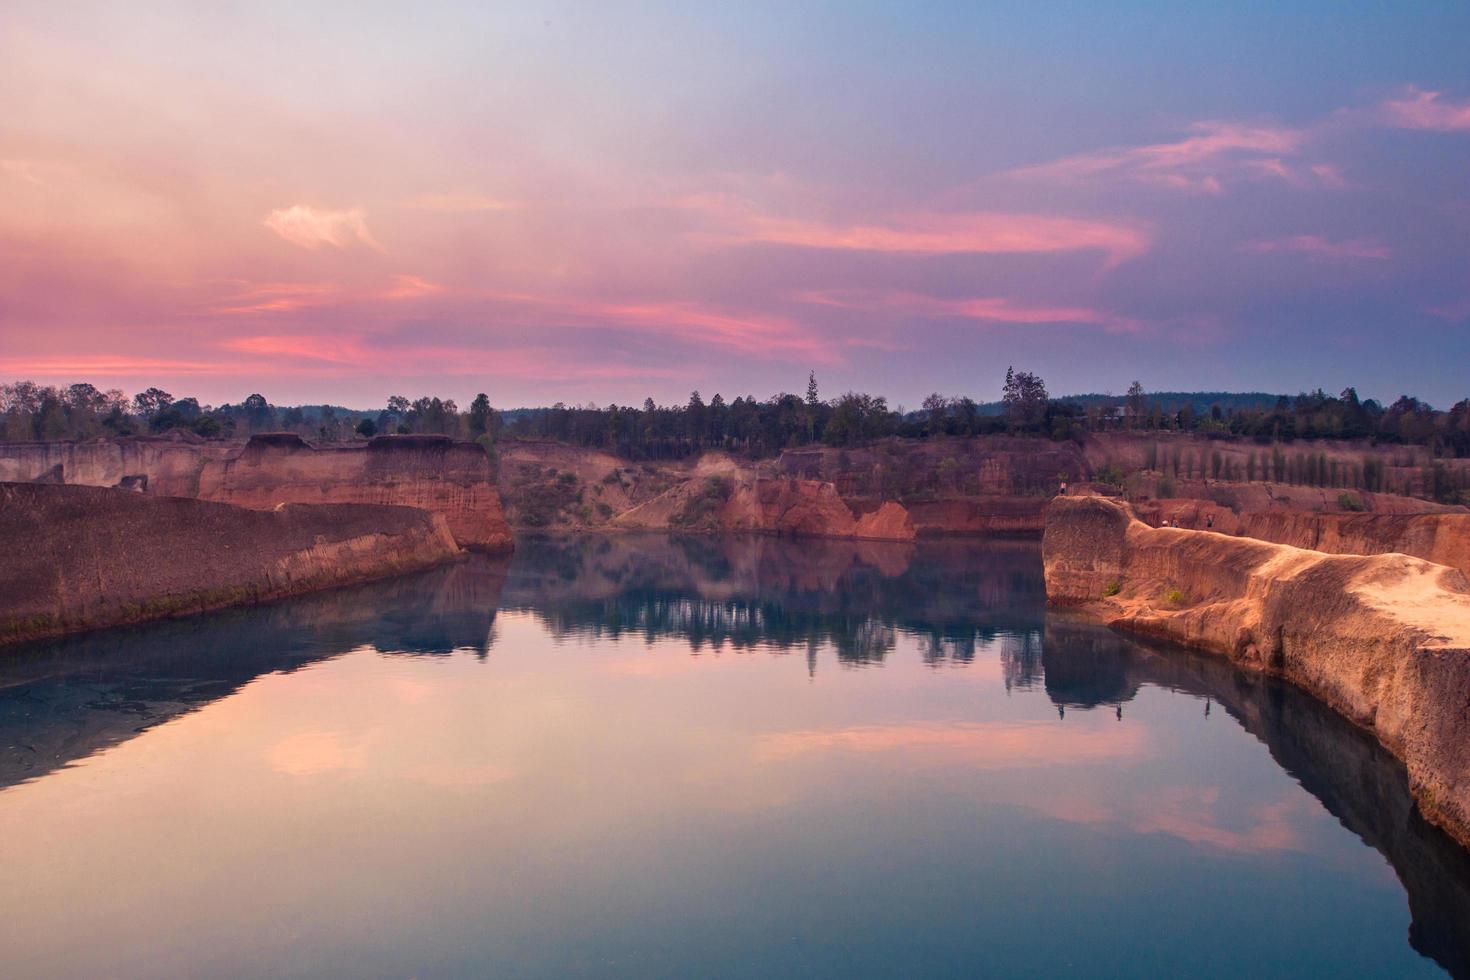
602 202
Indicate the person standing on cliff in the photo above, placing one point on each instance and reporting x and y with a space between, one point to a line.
1063 491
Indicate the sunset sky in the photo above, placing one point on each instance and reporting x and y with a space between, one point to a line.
606 201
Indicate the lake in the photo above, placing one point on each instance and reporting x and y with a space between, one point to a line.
661 756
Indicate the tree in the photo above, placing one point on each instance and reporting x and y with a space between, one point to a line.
937 410
367 428
480 415
259 415
1136 404
812 401
151 402
1025 399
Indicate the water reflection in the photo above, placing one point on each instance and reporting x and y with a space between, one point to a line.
942 604
65 701
782 594
1354 777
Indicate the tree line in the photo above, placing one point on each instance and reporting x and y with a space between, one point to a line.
31 412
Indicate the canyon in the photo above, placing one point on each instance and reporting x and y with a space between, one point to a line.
1383 639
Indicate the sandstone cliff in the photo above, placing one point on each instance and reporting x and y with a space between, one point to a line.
86 557
803 508
165 465
434 473
1384 639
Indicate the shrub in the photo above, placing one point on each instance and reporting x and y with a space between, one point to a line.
1174 597
1113 588
1350 501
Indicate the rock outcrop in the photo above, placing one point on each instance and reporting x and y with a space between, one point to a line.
1383 639
434 473
86 557
801 508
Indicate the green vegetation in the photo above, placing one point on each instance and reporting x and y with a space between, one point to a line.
702 506
1175 597
1350 501
1113 588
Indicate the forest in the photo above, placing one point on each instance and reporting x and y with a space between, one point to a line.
745 424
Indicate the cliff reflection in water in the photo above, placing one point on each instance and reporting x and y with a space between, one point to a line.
784 594
63 702
1355 778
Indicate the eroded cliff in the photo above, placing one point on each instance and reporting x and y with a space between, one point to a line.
1383 639
434 473
87 557
802 508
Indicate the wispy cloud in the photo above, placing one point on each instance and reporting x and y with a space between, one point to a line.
309 227
1213 152
279 297
1316 245
411 287
984 232
995 309
1419 109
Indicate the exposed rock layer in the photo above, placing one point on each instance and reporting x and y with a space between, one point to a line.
1384 639
87 557
803 508
433 473
1442 538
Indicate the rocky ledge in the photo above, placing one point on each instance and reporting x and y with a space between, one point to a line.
1384 639
81 558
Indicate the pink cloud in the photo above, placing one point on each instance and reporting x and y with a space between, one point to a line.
334 350
1419 109
411 287
1202 162
1316 245
279 297
996 309
983 232
312 228
71 368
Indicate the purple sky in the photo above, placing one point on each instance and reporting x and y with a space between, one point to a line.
602 202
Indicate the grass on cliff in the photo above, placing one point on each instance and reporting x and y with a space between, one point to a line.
702 506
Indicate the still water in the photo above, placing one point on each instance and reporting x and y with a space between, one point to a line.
654 756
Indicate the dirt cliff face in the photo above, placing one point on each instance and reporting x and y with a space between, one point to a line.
86 557
434 473
1441 536
1383 639
801 508
164 465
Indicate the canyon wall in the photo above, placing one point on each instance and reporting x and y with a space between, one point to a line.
802 508
164 465
434 473
1383 639
1432 532
86 557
